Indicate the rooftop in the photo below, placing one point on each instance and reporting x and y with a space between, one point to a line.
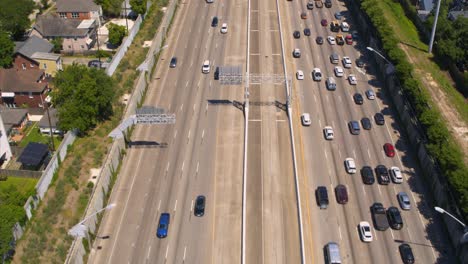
76 6
31 45
14 80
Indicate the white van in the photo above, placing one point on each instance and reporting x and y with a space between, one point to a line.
350 166
331 83
305 118
332 253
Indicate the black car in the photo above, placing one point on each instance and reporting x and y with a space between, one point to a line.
173 62
199 206
382 175
310 5
394 218
379 119
321 195
367 175
328 3
358 99
306 31
296 34
341 194
319 40
366 123
95 64
214 22
406 253
359 63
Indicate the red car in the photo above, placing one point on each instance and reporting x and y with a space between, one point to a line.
324 22
389 150
349 39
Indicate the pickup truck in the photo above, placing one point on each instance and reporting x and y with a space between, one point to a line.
318 3
379 217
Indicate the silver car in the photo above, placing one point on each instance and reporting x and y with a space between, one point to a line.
404 201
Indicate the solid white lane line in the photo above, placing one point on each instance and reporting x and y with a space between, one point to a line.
198 163
380 191
391 232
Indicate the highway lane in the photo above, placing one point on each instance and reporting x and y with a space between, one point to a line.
178 175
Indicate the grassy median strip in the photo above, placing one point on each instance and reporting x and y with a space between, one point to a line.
45 239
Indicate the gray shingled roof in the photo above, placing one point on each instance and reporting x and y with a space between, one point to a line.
44 122
45 56
76 6
14 80
53 26
33 44
13 116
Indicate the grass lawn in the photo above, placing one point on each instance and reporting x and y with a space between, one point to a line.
407 33
24 185
34 135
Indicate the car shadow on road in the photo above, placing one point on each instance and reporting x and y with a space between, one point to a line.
146 144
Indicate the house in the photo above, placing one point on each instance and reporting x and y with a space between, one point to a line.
79 9
46 124
5 149
23 88
78 35
35 53
452 15
14 121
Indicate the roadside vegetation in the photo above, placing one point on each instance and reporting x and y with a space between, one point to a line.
440 143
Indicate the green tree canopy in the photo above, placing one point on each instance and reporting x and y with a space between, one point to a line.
6 49
14 16
110 8
83 97
139 6
116 34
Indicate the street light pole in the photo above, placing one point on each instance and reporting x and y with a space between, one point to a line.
434 26
391 68
464 238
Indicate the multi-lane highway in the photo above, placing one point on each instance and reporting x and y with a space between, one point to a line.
205 150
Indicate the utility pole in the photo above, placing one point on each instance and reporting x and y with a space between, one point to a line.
46 107
434 26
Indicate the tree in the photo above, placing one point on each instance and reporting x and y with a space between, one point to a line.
139 6
116 34
110 8
57 42
83 97
6 50
14 16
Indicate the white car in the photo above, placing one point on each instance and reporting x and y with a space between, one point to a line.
344 27
206 66
352 79
365 231
224 28
396 175
317 74
331 40
328 132
305 118
350 165
346 62
297 53
300 75
370 94
339 72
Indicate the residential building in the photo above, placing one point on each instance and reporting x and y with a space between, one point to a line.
78 35
51 63
46 124
5 149
14 122
79 9
23 88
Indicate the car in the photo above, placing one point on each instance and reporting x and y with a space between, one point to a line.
395 174
206 66
346 62
352 79
199 209
224 28
318 3
316 74
95 64
328 3
322 197
350 165
210 1
365 231
214 22
304 15
310 5
370 94
300 75
349 39
328 132
358 99
334 58
394 218
367 175
330 83
319 40
173 62
355 35
335 26
324 22
331 40
296 53
305 119
339 39
338 15
344 27
406 253
297 34
306 31
341 194
359 63
379 216
339 72
366 123
389 150
382 175
404 201
163 225
379 119
354 127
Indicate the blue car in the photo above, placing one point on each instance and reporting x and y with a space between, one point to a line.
163 225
